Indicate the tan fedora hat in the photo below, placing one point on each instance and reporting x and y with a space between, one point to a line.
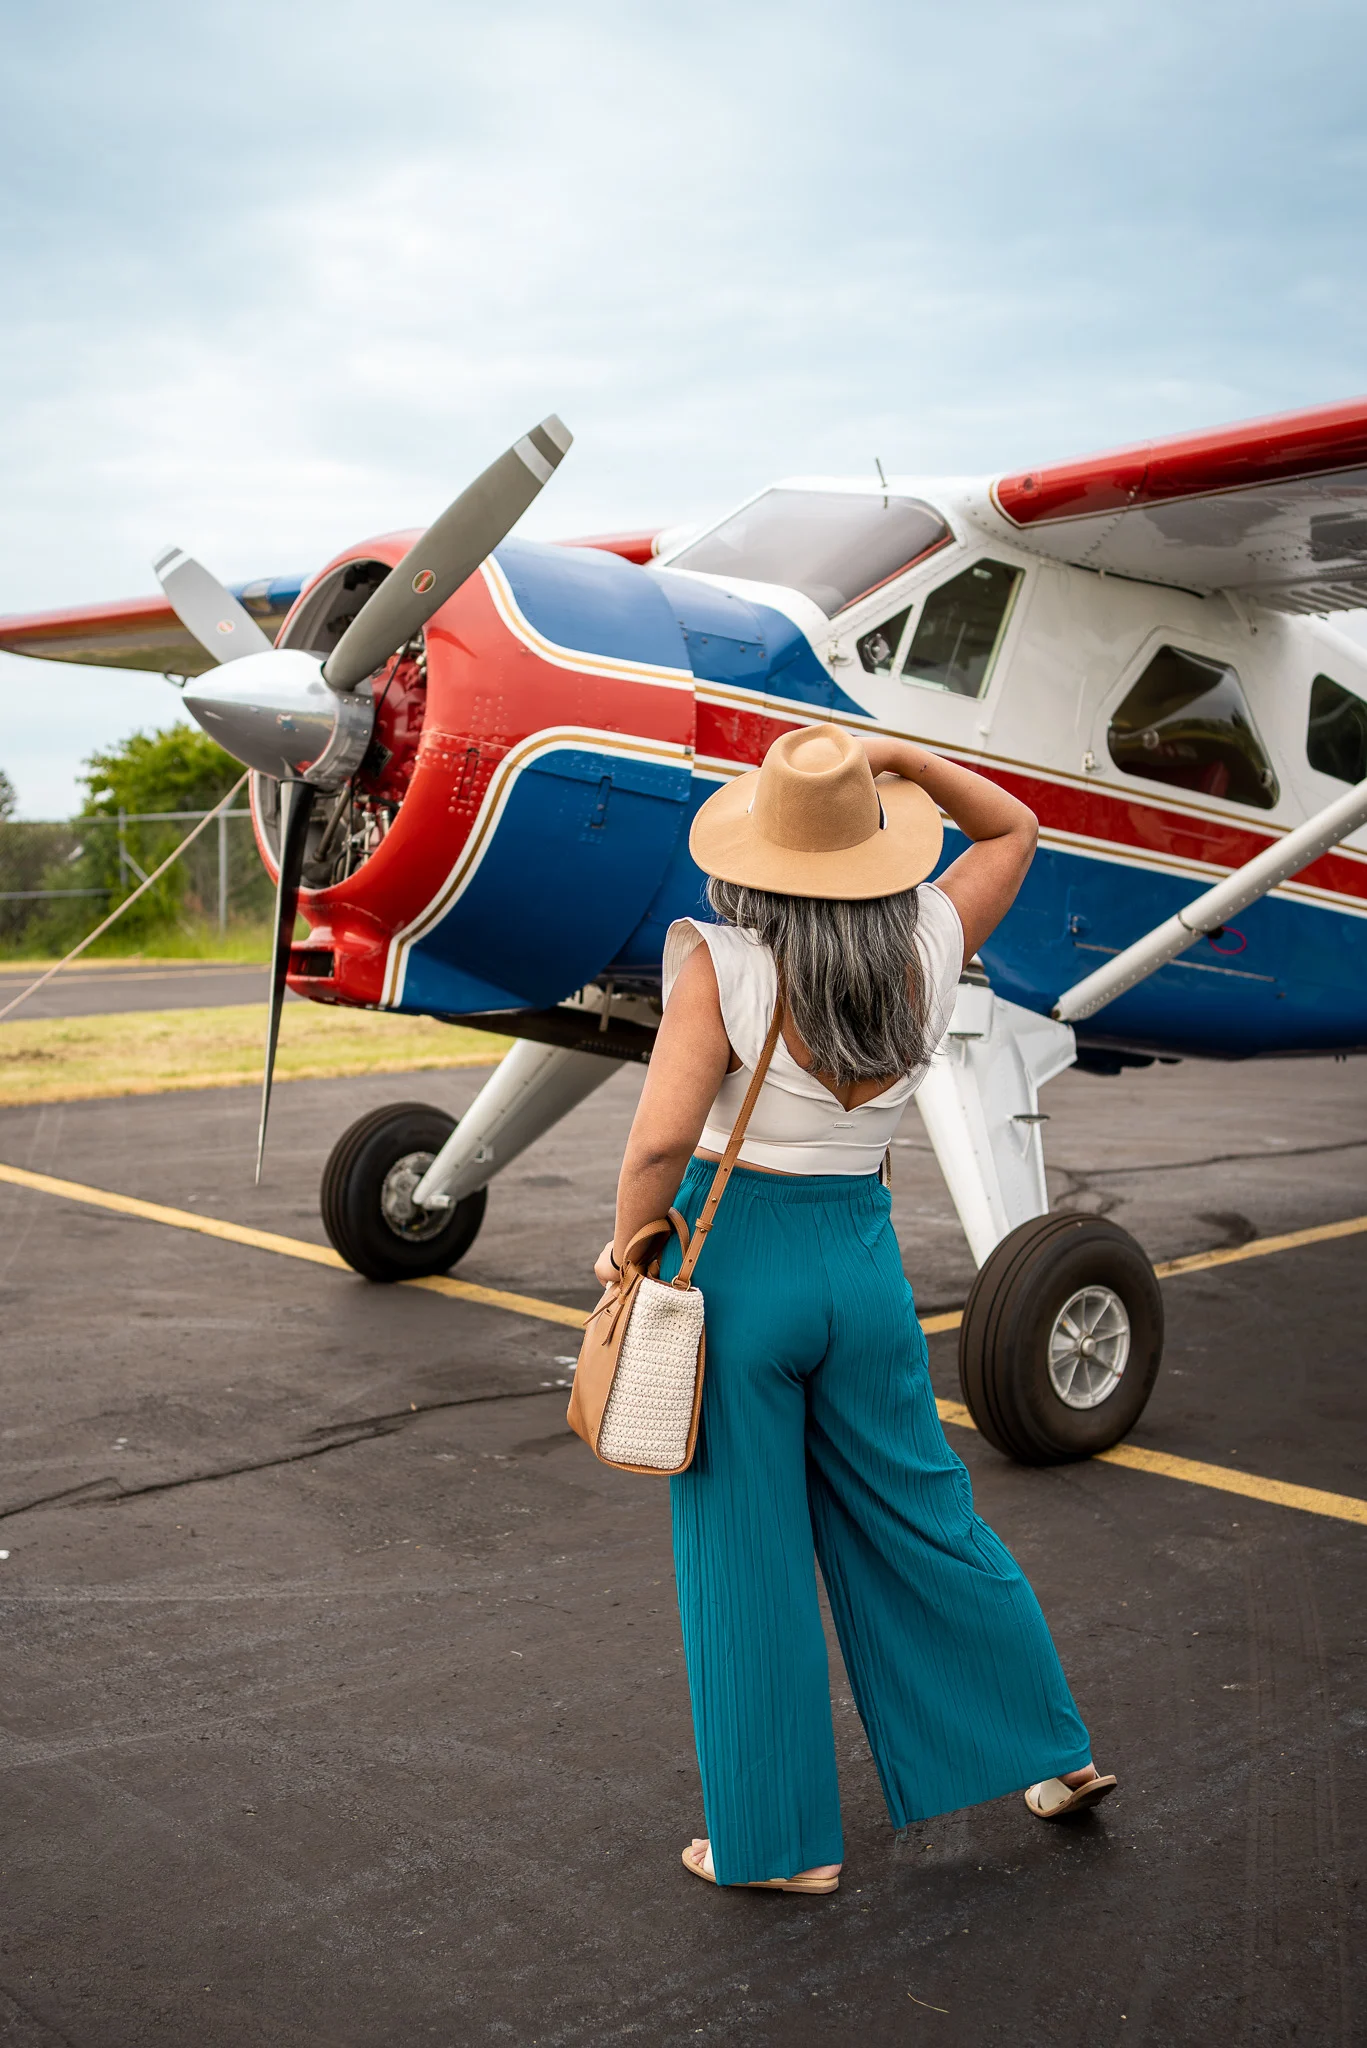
813 822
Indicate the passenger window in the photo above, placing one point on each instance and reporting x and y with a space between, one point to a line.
962 624
878 649
1336 737
1186 722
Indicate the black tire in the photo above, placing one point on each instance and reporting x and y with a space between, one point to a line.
375 1243
1009 1321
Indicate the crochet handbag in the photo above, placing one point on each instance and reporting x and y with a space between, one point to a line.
638 1384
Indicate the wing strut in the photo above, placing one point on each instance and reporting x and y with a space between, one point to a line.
1274 865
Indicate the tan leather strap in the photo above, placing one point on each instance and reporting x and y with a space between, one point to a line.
729 1157
649 1231
621 1290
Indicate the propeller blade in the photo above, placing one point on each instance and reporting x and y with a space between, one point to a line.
296 809
450 551
206 609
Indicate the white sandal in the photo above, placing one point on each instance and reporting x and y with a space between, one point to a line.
1051 1798
706 1870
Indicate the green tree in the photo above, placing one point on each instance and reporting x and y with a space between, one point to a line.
179 769
27 852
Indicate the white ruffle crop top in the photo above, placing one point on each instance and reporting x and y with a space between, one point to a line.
797 1125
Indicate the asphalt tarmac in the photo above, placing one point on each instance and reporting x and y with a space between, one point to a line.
104 986
343 1694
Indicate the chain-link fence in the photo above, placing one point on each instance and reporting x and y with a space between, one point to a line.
57 880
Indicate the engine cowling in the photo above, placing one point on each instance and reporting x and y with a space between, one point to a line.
525 789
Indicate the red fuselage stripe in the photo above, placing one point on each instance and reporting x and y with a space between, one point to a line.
1113 820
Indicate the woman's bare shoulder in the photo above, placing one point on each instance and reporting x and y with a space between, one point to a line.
692 1027
695 982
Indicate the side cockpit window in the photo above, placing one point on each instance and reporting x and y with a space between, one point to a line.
961 628
1186 722
878 648
1336 737
957 636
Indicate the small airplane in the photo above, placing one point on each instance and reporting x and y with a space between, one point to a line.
475 760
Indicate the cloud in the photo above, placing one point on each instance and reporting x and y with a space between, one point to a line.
279 277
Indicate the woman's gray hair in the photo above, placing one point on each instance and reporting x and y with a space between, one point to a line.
851 971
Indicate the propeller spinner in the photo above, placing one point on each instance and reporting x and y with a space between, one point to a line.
308 722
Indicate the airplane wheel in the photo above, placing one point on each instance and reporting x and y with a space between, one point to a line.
367 1196
1061 1339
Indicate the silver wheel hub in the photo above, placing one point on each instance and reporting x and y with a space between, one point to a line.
400 1211
1089 1347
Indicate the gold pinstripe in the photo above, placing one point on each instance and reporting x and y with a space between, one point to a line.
664 752
506 605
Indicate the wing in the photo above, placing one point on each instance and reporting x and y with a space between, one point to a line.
1274 510
139 632
144 632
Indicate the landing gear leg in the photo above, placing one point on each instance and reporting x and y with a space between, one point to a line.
1062 1334
404 1190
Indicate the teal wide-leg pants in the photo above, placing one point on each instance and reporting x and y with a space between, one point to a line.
820 1434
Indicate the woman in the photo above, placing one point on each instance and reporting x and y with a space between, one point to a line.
819 1430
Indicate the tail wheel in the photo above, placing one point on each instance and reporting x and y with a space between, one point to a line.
1061 1339
367 1196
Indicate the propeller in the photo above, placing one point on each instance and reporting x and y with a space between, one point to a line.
222 626
450 551
308 722
296 812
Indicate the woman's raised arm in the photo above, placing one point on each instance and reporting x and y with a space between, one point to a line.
982 883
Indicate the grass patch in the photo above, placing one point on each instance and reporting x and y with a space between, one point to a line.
249 943
151 1052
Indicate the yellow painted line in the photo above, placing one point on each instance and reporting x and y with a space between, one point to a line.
179 1219
955 1412
286 1247
949 1321
1311 1499
1259 1247
1200 1262
496 1297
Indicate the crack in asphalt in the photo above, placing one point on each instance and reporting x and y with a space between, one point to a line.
1178 1165
107 1491
1218 1159
398 1416
51 2033
1079 1183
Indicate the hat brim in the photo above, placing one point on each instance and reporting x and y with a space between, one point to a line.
724 842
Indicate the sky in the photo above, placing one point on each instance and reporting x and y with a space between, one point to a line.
279 276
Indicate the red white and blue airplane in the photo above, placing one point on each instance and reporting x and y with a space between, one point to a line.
476 760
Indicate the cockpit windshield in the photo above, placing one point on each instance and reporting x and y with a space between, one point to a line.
834 546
